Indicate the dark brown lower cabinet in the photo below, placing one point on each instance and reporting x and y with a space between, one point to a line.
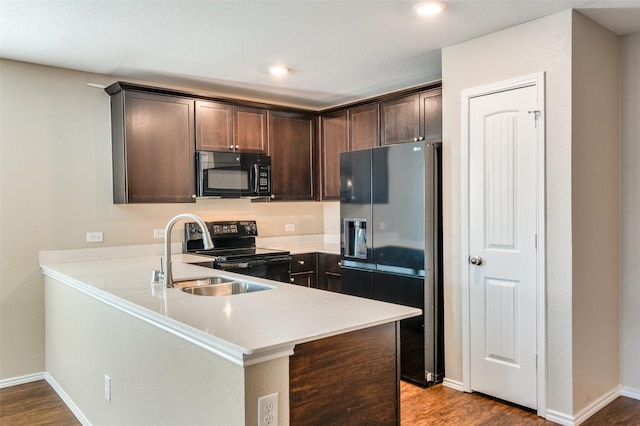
316 270
303 269
329 272
348 379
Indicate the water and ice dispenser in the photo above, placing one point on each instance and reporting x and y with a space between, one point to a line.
355 238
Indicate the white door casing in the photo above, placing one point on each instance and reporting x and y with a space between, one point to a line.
503 230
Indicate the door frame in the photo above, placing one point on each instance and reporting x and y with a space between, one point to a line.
537 80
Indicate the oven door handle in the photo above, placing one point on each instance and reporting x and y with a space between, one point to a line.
239 265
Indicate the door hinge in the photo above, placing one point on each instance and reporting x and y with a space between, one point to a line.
536 114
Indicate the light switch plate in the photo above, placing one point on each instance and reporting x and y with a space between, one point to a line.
289 227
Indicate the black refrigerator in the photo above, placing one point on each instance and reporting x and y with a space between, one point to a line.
391 244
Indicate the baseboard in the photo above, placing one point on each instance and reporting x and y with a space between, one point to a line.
560 418
597 405
67 400
630 392
453 384
15 381
585 413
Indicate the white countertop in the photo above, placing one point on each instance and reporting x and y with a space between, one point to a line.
245 328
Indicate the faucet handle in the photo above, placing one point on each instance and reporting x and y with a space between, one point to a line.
158 275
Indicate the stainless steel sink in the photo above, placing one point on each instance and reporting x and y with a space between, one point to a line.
223 287
195 282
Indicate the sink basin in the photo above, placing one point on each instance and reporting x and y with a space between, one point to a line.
201 282
227 288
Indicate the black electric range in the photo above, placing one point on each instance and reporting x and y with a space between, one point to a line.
234 249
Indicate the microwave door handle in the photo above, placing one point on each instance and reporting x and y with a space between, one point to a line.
255 172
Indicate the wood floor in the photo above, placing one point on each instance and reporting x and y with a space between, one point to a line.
440 405
37 404
34 404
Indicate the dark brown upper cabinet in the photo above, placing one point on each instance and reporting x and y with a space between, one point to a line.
345 130
364 126
431 115
291 148
412 118
250 129
334 139
214 126
226 127
152 147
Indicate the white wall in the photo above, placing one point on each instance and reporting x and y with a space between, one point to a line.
595 218
541 45
55 182
630 213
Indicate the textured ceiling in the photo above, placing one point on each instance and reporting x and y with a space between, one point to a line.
339 51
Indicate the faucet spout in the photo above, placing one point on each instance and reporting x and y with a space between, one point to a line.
167 275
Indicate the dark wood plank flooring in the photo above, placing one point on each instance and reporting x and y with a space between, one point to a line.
440 405
34 403
37 404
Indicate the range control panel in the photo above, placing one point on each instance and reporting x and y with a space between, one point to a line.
226 229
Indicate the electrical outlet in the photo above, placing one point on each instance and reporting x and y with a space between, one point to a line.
95 237
158 233
107 388
290 227
268 410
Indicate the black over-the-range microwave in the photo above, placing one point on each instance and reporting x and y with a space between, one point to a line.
233 174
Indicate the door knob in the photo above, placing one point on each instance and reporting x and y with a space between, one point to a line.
475 260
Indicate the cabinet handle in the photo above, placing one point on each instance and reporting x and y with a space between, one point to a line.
231 147
292 280
237 146
300 262
193 196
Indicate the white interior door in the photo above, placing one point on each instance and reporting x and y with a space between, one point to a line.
503 194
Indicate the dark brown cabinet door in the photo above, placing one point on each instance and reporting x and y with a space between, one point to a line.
153 152
329 272
400 120
364 127
333 141
303 269
214 126
412 118
431 114
292 158
250 129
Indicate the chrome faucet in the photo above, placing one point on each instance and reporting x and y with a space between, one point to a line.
166 273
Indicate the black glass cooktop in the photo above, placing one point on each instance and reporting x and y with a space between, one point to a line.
232 253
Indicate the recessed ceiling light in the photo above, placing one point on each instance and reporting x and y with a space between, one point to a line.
430 8
279 70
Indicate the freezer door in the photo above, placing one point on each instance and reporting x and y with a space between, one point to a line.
355 207
403 204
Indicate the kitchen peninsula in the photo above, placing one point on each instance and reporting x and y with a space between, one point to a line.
121 350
